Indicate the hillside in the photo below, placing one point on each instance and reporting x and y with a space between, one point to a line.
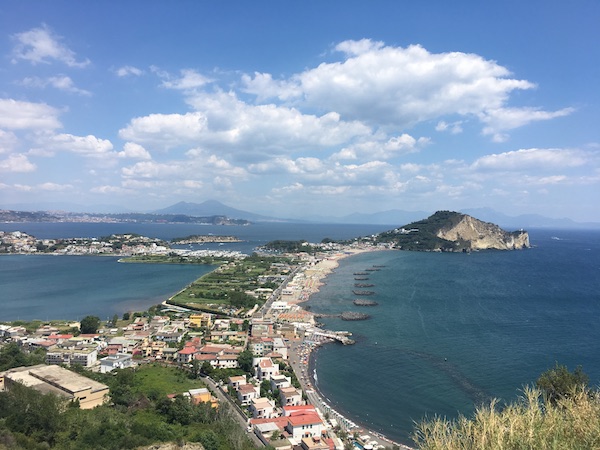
452 231
211 208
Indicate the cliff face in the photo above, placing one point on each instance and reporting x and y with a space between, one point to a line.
480 235
449 231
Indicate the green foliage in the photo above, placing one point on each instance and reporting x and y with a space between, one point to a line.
559 382
207 368
226 286
12 356
572 423
282 246
29 420
265 388
31 413
208 439
245 361
89 324
425 238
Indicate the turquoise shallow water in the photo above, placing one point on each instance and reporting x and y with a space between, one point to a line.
454 330
71 287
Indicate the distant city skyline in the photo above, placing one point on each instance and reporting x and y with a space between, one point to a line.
307 108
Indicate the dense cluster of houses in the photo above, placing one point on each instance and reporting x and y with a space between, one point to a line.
287 423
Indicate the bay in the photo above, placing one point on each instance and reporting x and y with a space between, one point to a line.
452 331
47 287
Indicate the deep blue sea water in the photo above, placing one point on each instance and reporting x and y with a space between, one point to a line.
454 330
450 330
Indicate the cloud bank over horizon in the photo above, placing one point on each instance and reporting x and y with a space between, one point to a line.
368 126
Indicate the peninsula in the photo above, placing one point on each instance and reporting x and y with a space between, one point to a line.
449 231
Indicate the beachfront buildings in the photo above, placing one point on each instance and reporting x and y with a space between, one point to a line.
299 427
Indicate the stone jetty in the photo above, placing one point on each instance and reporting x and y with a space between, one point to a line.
361 302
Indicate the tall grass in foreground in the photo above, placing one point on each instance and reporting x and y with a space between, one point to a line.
529 423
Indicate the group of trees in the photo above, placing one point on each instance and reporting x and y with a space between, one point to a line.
139 414
11 356
560 412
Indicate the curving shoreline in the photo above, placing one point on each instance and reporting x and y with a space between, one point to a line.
307 372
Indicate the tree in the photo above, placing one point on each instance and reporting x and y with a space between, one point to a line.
29 412
245 361
208 439
12 356
559 382
207 368
113 322
265 388
89 324
126 316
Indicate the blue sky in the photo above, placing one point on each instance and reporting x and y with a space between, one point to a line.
303 108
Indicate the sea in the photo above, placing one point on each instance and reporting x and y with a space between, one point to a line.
450 331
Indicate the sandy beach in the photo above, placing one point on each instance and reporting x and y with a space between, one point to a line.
301 354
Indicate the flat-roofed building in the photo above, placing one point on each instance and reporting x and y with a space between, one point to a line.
59 381
118 361
84 356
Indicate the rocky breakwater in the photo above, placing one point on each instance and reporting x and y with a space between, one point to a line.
483 235
351 315
361 302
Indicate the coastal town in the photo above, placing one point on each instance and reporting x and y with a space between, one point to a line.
255 356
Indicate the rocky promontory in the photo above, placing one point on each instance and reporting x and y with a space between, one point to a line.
453 231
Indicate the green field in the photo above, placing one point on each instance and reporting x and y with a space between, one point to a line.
227 285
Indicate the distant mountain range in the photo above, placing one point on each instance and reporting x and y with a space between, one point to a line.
394 217
214 208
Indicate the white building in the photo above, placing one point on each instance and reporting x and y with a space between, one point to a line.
118 361
262 408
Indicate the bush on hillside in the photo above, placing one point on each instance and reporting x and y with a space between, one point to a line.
571 422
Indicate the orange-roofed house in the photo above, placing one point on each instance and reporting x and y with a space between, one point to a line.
186 354
304 425
299 409
59 338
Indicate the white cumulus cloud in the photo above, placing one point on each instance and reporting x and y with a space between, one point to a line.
20 115
41 45
533 159
16 163
61 82
398 87
165 130
126 71
134 151
89 145
189 79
